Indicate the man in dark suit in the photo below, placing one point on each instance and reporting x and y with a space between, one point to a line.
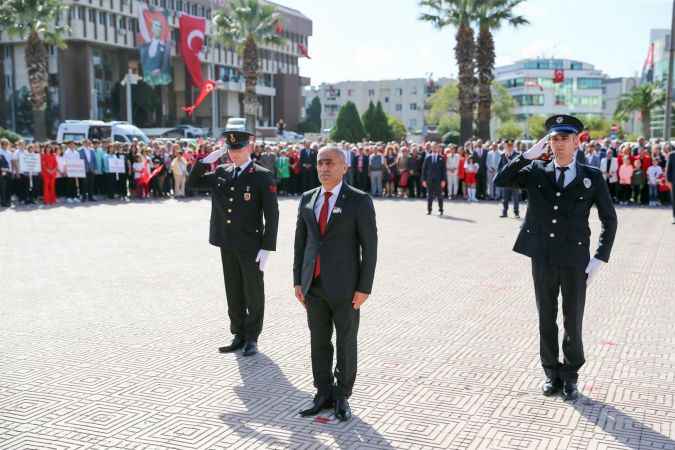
556 236
360 169
307 167
335 254
480 156
509 194
670 178
242 194
434 177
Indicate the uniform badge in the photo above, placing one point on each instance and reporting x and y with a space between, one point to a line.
247 196
559 119
587 183
337 210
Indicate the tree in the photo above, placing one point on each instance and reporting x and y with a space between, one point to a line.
448 123
458 14
490 15
510 130
642 99
398 130
348 126
368 117
443 103
312 122
36 21
380 130
536 128
245 25
597 126
503 103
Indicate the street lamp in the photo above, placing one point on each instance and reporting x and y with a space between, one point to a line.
129 80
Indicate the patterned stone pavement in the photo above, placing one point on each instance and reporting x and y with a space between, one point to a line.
111 315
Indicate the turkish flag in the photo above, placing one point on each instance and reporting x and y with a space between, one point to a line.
558 76
191 42
303 51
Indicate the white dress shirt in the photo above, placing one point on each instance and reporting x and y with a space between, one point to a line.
570 173
331 201
243 167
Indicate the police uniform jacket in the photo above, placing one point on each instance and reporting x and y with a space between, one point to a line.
556 225
239 205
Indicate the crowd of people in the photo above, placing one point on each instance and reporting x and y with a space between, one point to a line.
635 172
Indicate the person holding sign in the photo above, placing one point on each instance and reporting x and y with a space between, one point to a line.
74 169
49 166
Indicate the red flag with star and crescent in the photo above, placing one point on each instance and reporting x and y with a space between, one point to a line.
192 31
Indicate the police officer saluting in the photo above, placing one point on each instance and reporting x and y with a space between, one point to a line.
242 193
556 236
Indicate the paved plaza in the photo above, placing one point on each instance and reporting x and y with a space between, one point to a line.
111 315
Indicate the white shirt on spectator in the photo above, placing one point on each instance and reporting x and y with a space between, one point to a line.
653 174
331 201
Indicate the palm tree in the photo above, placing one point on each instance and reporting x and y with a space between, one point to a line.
245 25
459 14
643 99
36 21
491 14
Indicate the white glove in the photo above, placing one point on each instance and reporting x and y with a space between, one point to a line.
213 156
261 259
537 149
594 266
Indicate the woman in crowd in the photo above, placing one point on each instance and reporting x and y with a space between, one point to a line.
403 172
179 169
390 174
49 173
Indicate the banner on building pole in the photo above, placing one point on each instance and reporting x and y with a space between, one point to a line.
154 45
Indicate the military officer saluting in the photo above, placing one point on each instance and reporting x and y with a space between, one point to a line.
556 236
242 194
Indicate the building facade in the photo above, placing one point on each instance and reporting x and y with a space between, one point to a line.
660 39
404 99
545 86
85 78
612 90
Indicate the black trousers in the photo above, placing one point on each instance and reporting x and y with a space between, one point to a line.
549 280
434 191
245 292
507 196
4 190
324 313
672 200
87 186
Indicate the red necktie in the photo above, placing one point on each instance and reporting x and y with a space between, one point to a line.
323 221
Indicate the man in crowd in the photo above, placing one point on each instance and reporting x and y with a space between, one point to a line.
509 194
434 178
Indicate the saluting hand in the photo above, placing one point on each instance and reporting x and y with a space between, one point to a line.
300 296
537 149
359 299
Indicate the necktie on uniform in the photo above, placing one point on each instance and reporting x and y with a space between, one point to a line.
323 221
561 177
236 172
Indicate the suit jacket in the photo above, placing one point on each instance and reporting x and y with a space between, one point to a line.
670 168
307 156
238 207
89 165
556 225
348 249
481 160
434 173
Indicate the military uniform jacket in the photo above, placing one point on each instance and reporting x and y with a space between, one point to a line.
238 207
556 225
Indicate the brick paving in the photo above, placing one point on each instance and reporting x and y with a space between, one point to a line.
111 315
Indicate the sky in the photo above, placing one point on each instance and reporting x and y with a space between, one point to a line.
382 39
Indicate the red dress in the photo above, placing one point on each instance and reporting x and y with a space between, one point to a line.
49 166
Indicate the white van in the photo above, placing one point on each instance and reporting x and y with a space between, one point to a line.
79 130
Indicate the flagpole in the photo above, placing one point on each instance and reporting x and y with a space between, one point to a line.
669 92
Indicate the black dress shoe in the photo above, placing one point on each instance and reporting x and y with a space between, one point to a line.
321 402
428 213
503 215
570 391
517 216
342 410
237 343
551 386
251 348
440 213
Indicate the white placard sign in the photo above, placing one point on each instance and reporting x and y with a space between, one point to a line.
115 165
29 163
75 168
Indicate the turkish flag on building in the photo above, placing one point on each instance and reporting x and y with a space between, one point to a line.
191 42
558 76
303 51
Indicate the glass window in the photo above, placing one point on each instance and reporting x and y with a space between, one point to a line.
557 64
576 66
413 107
371 92
102 18
544 64
399 107
589 83
92 15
